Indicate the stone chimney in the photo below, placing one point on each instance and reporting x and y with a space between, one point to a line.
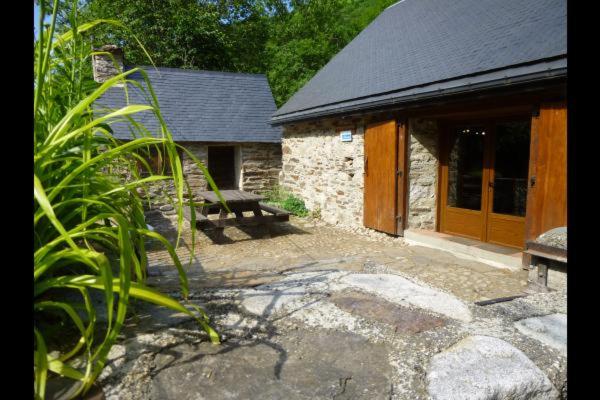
105 66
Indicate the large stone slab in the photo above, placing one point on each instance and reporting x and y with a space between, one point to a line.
302 365
400 290
549 329
486 368
266 300
403 319
556 237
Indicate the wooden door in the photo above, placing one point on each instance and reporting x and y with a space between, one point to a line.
547 191
464 173
507 187
380 177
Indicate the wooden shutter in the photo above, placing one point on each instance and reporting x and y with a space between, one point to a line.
547 190
380 200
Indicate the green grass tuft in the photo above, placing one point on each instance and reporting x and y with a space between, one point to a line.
279 197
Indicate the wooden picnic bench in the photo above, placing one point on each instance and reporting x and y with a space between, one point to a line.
238 202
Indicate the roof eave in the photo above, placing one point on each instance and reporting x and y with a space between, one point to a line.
435 93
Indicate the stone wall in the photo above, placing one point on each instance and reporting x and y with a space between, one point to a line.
259 163
325 172
194 175
423 165
328 174
259 167
105 66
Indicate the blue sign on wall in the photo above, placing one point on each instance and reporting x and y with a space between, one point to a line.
346 136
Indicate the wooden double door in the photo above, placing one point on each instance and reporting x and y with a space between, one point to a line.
503 180
484 172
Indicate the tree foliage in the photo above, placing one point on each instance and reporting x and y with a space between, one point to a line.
288 40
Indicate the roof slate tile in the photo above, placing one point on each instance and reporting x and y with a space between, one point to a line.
206 106
419 42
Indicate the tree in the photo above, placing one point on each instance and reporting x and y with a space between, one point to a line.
288 40
302 42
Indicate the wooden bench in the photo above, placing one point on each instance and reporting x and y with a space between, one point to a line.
541 256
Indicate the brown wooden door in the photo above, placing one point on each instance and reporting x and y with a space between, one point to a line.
380 192
547 191
484 180
464 180
507 186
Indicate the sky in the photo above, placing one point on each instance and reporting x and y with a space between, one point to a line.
36 16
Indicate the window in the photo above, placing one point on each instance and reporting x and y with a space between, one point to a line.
157 160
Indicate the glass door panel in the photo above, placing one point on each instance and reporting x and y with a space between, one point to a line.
508 183
511 165
465 167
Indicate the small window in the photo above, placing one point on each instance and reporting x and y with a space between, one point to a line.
158 161
221 166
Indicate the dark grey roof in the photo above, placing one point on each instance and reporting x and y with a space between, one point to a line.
203 106
420 48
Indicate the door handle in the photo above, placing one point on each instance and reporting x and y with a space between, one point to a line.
532 181
366 165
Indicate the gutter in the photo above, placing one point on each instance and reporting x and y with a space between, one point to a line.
437 92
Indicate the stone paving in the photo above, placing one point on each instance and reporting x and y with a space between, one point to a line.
309 311
253 256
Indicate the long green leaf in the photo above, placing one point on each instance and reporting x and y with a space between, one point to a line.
41 366
40 195
137 290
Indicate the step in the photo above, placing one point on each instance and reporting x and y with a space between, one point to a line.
487 253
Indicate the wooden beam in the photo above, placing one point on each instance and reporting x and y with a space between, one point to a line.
273 210
543 250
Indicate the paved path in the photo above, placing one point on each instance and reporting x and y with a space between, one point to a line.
253 255
314 312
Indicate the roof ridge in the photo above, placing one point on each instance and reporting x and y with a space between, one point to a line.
196 71
396 3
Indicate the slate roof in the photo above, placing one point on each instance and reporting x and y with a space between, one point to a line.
204 106
423 48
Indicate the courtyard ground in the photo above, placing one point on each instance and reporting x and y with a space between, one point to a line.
310 311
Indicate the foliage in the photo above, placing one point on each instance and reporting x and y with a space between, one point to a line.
286 200
303 41
89 225
295 205
213 35
288 40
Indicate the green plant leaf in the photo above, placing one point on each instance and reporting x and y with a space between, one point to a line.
41 366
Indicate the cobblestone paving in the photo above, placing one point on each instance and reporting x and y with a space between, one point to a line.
309 311
254 256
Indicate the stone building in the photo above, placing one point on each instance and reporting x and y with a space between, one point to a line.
438 117
220 117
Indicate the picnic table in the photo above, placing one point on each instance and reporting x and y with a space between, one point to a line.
238 202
